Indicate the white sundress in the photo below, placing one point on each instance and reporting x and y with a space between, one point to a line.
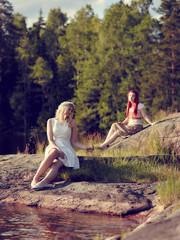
62 136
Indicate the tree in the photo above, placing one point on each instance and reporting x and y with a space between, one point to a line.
82 36
79 35
55 27
64 83
8 67
57 56
35 36
125 38
20 23
169 52
25 100
161 78
42 75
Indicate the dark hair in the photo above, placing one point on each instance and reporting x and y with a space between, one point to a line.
136 101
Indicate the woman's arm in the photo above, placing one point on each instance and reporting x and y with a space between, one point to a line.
125 121
50 137
74 139
145 116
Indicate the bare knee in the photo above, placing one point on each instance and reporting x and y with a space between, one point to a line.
117 134
57 164
54 153
114 127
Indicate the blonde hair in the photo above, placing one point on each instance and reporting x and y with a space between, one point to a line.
62 109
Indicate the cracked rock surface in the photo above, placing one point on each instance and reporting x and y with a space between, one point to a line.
16 172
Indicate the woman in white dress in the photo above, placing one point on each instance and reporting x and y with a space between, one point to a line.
133 122
61 134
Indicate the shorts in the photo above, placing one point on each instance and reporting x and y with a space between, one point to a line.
125 130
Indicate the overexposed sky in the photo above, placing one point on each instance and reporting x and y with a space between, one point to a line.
30 9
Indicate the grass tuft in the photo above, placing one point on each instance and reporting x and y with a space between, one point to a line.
169 191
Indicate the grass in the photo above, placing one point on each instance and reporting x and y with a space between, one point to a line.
122 170
150 147
169 190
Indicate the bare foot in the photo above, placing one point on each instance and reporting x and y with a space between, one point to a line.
101 147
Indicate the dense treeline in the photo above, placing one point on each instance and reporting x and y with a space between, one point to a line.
90 61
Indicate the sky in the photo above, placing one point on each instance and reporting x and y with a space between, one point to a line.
30 9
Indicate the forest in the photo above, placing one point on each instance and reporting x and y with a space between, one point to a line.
90 61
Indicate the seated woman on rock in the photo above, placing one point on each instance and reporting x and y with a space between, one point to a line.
133 122
62 134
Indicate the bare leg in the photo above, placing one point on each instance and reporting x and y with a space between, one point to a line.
51 175
46 163
110 133
115 127
111 139
116 130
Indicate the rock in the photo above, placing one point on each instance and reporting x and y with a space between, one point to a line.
163 226
16 172
165 134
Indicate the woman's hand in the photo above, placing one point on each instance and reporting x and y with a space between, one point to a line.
61 154
90 149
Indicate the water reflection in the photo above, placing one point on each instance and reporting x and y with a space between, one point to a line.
34 223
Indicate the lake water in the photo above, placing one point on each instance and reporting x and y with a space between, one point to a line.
25 223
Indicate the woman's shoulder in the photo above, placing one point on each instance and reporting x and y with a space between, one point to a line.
50 119
141 105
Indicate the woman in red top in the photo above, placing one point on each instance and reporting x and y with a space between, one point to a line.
133 122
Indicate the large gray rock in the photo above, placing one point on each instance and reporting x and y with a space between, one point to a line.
17 171
165 134
163 226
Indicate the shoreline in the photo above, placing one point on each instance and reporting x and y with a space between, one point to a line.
120 199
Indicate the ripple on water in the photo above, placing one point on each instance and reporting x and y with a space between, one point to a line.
36 223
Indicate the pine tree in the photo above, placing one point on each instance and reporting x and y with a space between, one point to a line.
8 67
163 85
82 35
125 43
169 48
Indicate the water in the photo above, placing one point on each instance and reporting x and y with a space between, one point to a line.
35 223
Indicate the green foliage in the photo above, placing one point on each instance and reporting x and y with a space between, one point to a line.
82 37
165 69
8 65
41 73
90 61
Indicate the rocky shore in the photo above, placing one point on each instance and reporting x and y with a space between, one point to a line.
16 172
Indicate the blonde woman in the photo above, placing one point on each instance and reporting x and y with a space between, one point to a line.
62 135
